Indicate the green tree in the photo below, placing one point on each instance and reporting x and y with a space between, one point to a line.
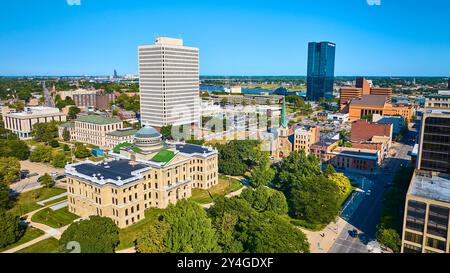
45 132
329 170
47 181
9 170
41 153
81 151
265 199
270 233
96 235
315 199
296 166
66 148
227 233
262 176
73 112
14 148
190 231
151 239
59 160
54 143
166 132
389 238
342 182
66 134
10 229
5 197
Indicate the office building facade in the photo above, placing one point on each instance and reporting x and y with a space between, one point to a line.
169 83
427 208
22 123
320 77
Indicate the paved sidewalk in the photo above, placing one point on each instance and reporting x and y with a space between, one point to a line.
319 244
27 244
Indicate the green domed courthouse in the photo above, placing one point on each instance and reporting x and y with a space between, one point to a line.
143 174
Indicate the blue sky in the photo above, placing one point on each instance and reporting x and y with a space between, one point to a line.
235 37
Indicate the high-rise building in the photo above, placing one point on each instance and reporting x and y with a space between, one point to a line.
320 78
169 83
448 86
427 206
434 148
115 74
363 84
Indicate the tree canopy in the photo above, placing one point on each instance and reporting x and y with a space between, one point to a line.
9 170
10 229
95 235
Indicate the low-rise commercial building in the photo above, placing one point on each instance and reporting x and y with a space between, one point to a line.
117 137
376 104
304 137
22 123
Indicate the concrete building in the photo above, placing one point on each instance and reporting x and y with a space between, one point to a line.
22 123
354 159
338 117
71 93
426 221
374 136
427 206
169 83
97 101
362 88
92 129
120 136
377 104
304 137
397 122
434 141
147 175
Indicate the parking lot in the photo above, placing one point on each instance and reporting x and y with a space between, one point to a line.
34 171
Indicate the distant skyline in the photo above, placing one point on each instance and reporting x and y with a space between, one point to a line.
235 37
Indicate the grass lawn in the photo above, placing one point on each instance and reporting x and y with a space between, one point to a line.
30 234
226 185
129 235
26 202
54 219
49 245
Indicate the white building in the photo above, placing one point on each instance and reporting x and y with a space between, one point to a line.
338 117
169 83
22 123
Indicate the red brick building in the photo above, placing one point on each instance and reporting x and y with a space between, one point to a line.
362 130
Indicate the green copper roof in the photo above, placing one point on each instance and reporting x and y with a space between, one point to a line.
163 156
96 119
69 124
284 122
121 146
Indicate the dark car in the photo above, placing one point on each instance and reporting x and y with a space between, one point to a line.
353 233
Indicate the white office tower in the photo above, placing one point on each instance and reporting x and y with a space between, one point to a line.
169 83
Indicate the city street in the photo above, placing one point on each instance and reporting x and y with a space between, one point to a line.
365 217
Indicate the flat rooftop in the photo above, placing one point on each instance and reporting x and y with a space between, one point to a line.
97 119
117 171
370 101
194 149
432 186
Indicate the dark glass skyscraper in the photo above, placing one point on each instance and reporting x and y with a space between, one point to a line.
320 78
